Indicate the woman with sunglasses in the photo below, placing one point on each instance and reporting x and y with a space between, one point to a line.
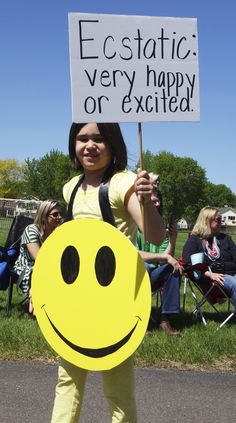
219 250
48 217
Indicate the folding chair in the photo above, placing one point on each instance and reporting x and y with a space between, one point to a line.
17 228
18 225
211 292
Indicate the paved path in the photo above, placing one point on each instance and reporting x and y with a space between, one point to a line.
169 396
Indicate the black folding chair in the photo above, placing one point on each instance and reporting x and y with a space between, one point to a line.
17 228
211 292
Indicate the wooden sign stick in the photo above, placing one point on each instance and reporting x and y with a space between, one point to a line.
141 167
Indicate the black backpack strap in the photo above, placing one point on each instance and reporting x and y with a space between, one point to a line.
103 198
104 204
69 215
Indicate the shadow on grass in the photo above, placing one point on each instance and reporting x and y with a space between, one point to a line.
19 306
187 319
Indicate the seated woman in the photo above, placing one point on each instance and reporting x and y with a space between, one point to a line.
219 251
48 217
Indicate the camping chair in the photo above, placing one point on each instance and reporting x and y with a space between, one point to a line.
13 241
211 292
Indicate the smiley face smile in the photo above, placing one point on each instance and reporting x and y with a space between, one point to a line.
94 352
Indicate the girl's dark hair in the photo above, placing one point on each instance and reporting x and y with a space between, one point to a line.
112 134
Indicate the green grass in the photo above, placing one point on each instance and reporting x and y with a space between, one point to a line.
181 239
197 347
20 336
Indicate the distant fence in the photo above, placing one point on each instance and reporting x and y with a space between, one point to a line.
9 208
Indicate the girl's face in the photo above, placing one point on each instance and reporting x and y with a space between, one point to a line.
215 223
91 149
53 219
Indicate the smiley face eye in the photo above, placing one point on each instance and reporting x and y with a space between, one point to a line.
105 265
70 264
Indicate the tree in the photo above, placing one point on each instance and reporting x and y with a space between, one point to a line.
11 179
46 176
182 183
219 195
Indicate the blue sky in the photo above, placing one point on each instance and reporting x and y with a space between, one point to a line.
35 98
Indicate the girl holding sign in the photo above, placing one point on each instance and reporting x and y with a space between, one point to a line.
98 153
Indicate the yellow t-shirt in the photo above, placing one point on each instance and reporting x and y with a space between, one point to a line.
86 203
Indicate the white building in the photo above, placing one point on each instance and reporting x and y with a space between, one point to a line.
182 223
228 216
10 207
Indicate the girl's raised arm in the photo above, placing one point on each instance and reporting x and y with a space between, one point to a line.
141 194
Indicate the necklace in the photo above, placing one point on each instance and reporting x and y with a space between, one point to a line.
212 250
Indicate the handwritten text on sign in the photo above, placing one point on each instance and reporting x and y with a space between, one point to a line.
133 68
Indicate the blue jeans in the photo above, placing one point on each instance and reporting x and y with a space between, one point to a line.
230 287
162 276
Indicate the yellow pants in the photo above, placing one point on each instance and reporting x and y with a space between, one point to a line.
118 387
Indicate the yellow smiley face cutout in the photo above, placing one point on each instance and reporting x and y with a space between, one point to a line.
91 294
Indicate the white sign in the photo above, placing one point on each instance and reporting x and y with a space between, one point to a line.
133 68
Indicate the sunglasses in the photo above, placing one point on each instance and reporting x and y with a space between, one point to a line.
55 214
218 219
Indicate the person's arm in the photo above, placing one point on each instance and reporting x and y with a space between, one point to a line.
33 248
218 277
31 240
161 258
141 192
172 234
154 227
191 247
